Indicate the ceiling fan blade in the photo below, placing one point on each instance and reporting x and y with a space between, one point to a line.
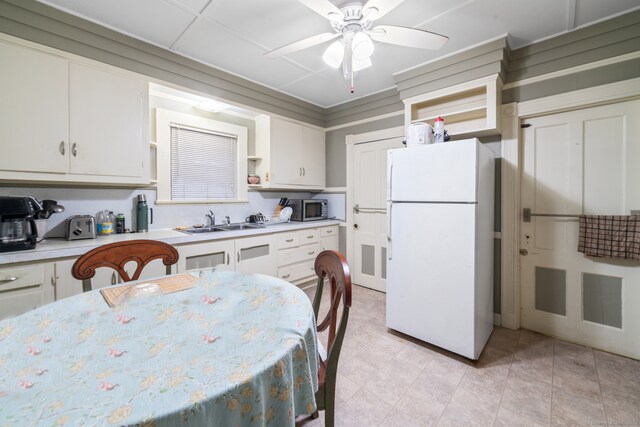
409 37
383 7
323 7
302 44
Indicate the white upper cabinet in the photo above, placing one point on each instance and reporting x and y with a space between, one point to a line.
291 155
66 121
107 123
34 129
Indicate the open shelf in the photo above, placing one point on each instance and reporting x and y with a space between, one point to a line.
468 110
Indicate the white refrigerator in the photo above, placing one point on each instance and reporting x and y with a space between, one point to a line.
440 244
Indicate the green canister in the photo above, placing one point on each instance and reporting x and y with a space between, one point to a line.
142 214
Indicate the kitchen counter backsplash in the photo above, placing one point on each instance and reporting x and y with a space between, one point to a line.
88 201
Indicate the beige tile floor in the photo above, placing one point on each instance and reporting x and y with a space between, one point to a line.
522 379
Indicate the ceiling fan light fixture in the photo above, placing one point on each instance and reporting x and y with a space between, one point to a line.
333 55
361 64
362 46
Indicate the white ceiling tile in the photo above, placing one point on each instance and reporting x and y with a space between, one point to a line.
234 35
272 23
156 21
210 43
195 5
592 10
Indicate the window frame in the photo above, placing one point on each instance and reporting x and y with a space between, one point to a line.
164 120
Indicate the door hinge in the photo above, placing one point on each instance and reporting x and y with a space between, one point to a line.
525 125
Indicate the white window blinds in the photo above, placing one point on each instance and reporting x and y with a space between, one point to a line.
203 164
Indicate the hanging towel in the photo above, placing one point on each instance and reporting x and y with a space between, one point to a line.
610 236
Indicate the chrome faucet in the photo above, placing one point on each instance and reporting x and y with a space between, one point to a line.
227 220
212 219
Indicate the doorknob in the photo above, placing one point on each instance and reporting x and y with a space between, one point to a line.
523 252
355 226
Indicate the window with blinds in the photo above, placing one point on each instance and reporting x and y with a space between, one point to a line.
203 164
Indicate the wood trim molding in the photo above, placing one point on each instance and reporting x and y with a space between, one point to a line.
590 97
510 232
573 70
349 199
375 135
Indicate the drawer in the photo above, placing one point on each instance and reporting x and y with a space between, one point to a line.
311 235
21 277
288 240
329 231
20 301
295 272
303 253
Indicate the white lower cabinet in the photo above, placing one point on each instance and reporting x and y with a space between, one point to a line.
330 239
24 288
288 255
216 254
256 255
67 285
297 251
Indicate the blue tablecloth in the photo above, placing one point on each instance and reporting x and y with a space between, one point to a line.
234 350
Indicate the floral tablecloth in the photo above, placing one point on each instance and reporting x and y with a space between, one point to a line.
234 350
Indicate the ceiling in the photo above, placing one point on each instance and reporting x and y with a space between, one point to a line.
234 35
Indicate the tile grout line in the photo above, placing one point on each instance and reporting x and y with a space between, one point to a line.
604 408
466 369
504 387
405 392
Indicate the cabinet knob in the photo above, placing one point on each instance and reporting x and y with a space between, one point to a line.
74 149
355 226
61 148
286 276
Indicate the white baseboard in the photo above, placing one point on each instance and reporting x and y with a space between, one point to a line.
497 319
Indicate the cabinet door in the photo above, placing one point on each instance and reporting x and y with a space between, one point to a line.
34 134
25 288
330 243
67 285
312 152
107 122
257 255
286 164
218 255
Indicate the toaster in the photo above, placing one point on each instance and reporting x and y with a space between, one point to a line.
81 227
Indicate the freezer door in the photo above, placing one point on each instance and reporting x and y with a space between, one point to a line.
434 173
430 276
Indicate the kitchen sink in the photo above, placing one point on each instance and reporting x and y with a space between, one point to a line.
243 226
230 227
200 230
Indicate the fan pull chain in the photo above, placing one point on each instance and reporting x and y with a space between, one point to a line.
353 89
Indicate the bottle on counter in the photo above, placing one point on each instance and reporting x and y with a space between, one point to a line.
99 221
438 130
142 214
120 223
107 223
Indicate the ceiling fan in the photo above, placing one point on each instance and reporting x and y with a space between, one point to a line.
353 25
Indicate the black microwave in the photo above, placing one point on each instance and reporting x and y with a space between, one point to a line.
308 209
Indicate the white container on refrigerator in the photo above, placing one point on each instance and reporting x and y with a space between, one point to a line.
440 244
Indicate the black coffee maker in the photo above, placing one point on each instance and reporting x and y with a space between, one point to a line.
17 227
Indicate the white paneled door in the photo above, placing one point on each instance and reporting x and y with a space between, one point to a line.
369 213
580 162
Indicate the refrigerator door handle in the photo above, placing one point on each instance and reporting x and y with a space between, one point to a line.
389 174
389 210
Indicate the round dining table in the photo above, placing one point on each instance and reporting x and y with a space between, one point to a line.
233 350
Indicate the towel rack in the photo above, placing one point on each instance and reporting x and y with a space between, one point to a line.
527 214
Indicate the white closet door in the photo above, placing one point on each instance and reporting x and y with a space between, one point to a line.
580 162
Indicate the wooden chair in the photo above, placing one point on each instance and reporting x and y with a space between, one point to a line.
117 255
331 265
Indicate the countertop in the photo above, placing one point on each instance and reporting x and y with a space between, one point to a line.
61 248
